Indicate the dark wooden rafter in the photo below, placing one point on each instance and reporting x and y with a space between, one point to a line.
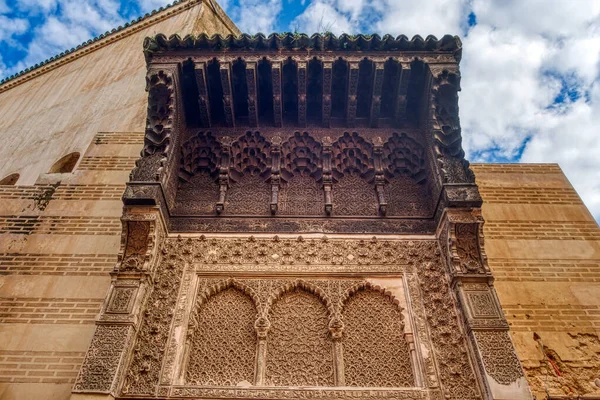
228 109
377 87
302 78
203 101
251 80
327 80
401 100
353 74
276 75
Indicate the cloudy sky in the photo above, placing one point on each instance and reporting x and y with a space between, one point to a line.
531 68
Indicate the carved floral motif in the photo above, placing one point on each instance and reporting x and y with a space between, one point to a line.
498 355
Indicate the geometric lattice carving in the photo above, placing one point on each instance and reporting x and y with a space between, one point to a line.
353 195
223 347
405 197
299 349
375 351
198 195
250 195
301 195
499 357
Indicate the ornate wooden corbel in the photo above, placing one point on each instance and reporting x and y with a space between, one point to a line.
275 173
223 174
379 177
327 175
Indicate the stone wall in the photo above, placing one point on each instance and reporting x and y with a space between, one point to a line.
543 248
58 242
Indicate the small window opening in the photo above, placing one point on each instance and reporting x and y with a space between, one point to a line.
65 165
10 179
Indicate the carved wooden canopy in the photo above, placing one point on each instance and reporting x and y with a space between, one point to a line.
321 133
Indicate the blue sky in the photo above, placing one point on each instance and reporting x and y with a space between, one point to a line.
531 69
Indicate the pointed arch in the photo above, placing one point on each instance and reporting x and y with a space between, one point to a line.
222 337
299 346
376 353
66 164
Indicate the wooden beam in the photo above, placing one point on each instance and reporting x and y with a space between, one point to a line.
225 73
277 103
203 102
251 82
376 98
327 79
400 108
353 74
302 72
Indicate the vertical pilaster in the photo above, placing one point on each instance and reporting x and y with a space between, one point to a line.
261 326
120 315
275 175
486 326
327 174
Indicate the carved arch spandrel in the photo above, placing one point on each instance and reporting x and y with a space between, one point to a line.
222 340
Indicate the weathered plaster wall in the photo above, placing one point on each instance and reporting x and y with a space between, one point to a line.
544 251
60 111
55 255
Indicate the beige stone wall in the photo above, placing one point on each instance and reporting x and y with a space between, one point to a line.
60 111
544 251
55 255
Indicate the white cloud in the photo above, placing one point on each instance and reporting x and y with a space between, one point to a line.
253 16
71 23
320 17
10 27
519 58
149 5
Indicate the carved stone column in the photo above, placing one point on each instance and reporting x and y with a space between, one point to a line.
121 313
262 326
336 329
487 329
